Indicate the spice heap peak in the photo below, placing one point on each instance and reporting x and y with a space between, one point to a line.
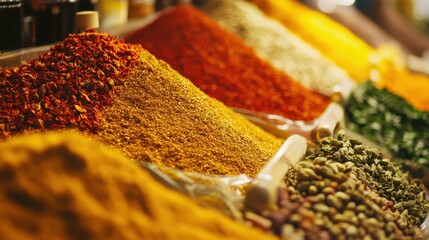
224 67
162 118
64 87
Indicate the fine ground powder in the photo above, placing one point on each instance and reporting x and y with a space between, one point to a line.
161 117
63 186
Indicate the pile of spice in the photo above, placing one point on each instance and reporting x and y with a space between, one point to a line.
65 87
161 117
277 44
224 67
332 39
345 190
389 121
64 186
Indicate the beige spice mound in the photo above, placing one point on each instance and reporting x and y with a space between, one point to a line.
161 117
64 186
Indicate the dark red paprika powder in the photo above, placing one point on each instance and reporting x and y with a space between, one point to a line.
224 67
65 87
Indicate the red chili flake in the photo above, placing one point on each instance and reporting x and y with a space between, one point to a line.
53 91
224 67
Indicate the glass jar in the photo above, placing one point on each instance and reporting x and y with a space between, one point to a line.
113 13
140 8
11 25
54 20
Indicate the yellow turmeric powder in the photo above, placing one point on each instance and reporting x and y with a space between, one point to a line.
410 86
332 39
64 186
391 73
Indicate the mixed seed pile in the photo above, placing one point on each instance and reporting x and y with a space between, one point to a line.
389 121
345 190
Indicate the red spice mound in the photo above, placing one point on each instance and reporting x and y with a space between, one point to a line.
224 67
66 86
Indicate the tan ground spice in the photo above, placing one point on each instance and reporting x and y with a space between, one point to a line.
63 186
161 117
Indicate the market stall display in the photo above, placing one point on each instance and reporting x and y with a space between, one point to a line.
275 43
224 67
170 134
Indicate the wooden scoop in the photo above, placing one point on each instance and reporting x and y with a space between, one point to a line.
262 192
329 122
326 125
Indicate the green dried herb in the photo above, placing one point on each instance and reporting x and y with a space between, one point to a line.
389 121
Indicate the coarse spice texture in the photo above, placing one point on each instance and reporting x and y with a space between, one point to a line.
345 190
389 121
332 39
64 186
162 118
223 66
275 43
65 87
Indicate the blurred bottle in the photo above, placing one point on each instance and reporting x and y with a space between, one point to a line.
11 25
87 5
54 19
406 8
112 13
140 8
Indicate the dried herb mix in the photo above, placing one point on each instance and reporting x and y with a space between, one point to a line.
345 190
161 117
390 121
224 67
66 86
277 44
63 186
